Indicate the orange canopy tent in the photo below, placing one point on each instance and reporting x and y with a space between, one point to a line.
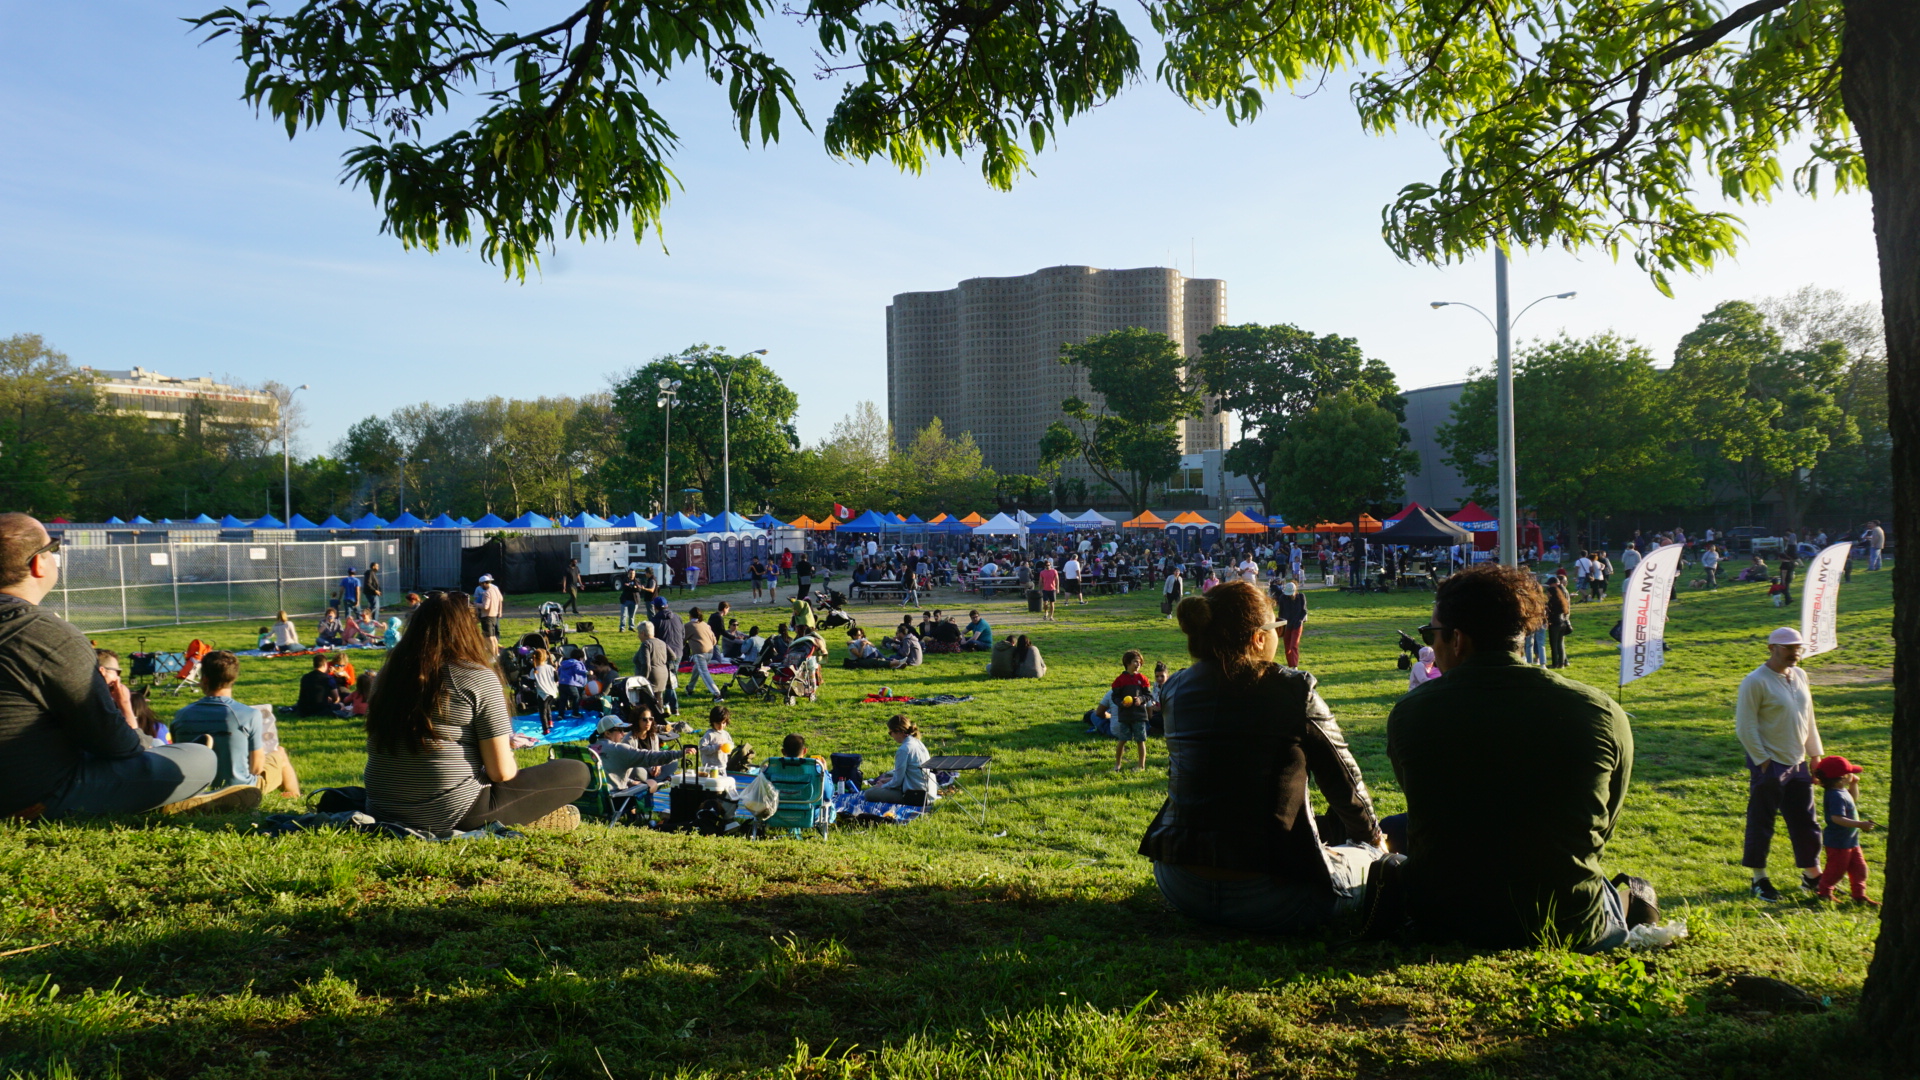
973 519
1240 525
937 520
802 522
1368 524
1147 520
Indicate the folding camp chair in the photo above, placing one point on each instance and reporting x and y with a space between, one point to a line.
802 783
599 802
188 673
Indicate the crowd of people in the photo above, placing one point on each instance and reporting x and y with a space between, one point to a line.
1237 841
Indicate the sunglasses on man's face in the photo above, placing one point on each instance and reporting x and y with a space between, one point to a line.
51 547
1429 632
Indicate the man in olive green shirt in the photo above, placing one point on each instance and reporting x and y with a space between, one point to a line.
1514 777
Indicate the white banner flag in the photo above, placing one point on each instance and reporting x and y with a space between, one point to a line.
1820 599
1643 613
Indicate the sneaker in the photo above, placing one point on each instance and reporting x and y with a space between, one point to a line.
1810 882
1866 901
1763 890
565 819
226 800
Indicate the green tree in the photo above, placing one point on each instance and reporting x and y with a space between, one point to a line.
1851 482
762 435
1596 431
1764 410
1131 438
1339 459
1271 374
935 472
371 450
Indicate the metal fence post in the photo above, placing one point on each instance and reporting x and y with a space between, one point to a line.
173 575
120 560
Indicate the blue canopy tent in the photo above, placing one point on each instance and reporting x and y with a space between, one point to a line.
590 520
1044 524
768 521
267 521
231 522
680 523
406 520
443 522
464 521
631 520
953 526
114 520
202 519
333 522
727 523
301 522
490 521
369 520
140 519
868 522
531 520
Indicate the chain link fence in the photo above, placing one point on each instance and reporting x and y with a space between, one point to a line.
128 586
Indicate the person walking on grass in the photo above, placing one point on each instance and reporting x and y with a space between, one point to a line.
1773 719
1172 591
1049 589
570 585
370 591
629 601
438 756
488 604
1841 835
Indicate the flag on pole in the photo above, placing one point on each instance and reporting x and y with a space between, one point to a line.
1643 614
841 512
1820 600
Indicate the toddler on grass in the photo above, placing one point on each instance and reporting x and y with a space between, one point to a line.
1841 836
1130 695
716 745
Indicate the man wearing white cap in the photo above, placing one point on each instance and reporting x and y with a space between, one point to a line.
487 605
1773 717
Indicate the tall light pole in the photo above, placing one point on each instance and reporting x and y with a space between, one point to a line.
404 462
669 393
725 375
286 455
1502 324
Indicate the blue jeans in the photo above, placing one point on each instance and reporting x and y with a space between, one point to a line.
162 775
1267 905
626 615
1536 646
1873 558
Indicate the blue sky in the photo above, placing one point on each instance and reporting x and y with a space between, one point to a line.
149 218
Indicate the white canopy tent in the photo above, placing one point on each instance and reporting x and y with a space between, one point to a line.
1000 525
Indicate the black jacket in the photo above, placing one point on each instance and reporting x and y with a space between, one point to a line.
54 706
1240 761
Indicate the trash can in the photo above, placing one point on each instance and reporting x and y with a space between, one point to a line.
1033 601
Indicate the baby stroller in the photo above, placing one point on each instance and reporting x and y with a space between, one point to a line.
798 676
830 605
553 624
753 682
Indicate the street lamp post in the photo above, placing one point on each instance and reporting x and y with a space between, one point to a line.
1503 397
669 392
404 462
286 454
726 436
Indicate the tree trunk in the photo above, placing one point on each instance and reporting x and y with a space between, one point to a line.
1880 81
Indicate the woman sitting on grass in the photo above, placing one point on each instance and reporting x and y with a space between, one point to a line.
1235 844
437 728
909 783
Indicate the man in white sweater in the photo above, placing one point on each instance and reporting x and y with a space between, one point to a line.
1773 717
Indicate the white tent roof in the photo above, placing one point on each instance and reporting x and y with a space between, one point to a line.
1021 516
1000 525
1093 517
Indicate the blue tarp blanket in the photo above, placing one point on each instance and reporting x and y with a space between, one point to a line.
355 821
568 729
939 699
897 813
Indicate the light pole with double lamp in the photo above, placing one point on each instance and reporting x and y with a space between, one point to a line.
286 455
725 375
1503 394
669 393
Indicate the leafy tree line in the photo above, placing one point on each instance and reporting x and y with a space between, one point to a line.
1783 401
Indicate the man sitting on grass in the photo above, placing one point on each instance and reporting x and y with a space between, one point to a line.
69 744
246 752
979 635
320 692
1554 755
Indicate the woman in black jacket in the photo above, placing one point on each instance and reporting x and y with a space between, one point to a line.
1236 843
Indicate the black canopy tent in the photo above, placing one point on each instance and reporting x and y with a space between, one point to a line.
1422 528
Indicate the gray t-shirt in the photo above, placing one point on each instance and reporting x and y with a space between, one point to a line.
435 789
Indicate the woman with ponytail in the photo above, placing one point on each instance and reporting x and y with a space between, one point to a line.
1236 842
437 726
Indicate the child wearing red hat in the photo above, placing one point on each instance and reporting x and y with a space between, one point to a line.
1841 837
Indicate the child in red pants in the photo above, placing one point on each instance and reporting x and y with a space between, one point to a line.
1841 837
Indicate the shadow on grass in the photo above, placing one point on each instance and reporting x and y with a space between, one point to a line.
310 974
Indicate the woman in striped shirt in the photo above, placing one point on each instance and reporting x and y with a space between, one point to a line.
437 728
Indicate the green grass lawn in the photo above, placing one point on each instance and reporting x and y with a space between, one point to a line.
1033 947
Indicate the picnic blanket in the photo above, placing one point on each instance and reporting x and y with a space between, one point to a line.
526 730
686 668
895 813
274 654
939 699
876 699
357 821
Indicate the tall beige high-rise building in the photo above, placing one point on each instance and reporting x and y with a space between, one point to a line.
985 357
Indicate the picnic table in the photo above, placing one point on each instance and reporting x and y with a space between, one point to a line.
881 589
986 583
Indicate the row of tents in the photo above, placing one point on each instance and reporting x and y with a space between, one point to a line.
1415 524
